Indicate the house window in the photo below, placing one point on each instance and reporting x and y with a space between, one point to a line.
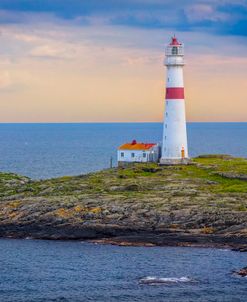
122 154
144 155
132 154
166 114
166 125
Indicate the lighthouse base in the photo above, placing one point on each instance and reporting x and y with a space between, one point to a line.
174 161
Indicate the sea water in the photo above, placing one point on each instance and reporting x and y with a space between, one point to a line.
51 150
35 271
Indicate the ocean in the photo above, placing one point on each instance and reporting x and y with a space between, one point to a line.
51 150
51 271
48 271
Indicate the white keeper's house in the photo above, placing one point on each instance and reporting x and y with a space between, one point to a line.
138 152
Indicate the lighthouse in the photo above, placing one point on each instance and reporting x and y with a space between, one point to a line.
174 143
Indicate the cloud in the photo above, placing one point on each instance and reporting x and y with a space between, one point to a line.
202 12
5 80
10 81
222 17
52 52
110 69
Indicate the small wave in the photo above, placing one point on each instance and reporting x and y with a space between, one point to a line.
28 238
166 281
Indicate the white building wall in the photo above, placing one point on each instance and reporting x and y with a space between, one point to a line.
152 155
156 153
174 77
174 132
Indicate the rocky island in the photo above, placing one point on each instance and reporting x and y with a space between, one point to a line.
202 204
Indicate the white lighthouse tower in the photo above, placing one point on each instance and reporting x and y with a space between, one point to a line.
174 147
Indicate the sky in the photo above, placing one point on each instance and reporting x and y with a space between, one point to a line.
102 61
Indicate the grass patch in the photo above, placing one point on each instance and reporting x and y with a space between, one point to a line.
219 183
232 165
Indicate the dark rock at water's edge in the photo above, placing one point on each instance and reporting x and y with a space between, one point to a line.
242 272
201 204
116 235
241 248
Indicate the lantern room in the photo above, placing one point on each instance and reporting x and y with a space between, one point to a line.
174 53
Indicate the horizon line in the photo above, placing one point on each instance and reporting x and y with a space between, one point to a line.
144 122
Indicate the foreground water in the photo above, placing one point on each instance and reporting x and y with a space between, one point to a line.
50 150
74 271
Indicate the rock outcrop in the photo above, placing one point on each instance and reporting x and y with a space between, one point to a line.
201 204
242 272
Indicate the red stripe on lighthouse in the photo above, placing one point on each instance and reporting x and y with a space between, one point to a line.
174 93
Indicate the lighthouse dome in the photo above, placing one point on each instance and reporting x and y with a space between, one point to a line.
174 42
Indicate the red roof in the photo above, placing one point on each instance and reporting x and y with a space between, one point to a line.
136 146
174 42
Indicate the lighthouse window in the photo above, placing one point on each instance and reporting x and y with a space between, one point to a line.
132 154
122 154
174 50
